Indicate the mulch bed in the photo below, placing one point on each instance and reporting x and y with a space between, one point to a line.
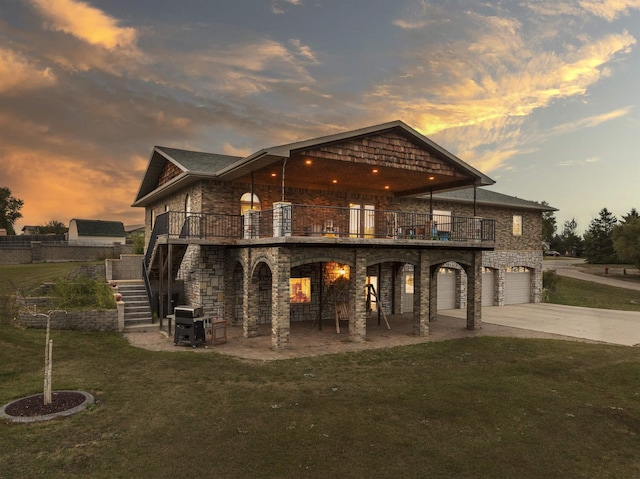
34 405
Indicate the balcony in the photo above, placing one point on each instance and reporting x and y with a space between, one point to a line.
326 224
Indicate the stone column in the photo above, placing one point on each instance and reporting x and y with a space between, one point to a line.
501 274
281 219
474 292
421 295
357 303
251 224
433 292
280 315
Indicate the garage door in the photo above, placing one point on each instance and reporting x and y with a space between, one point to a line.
488 287
446 288
517 287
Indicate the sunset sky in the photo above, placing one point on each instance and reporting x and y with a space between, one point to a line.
541 95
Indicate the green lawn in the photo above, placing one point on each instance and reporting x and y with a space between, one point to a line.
471 408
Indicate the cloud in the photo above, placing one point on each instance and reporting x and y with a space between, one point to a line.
20 73
86 23
591 121
277 6
610 9
586 161
476 92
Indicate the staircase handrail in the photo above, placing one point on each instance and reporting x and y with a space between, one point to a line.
161 226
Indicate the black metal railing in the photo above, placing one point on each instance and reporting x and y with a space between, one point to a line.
332 221
323 221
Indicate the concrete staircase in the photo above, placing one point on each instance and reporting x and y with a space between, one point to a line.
137 314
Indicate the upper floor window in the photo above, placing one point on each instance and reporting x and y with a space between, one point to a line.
517 225
246 203
187 204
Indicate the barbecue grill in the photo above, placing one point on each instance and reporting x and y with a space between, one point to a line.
189 325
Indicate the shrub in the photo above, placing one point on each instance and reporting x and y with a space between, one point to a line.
83 292
137 240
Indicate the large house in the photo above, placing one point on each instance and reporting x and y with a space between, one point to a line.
376 218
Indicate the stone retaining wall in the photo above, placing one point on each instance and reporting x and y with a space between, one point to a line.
90 320
39 252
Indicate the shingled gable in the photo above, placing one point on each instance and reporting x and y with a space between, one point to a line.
406 163
170 169
412 163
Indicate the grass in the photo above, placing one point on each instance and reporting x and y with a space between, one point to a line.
482 407
575 292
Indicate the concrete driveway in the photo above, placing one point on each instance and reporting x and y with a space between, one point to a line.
605 325
608 326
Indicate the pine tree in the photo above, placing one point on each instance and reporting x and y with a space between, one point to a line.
598 240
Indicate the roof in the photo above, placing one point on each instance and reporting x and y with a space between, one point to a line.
193 165
199 165
99 228
488 197
269 155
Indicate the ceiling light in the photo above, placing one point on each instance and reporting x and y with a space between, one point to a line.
431 178
307 162
334 181
274 174
375 170
386 187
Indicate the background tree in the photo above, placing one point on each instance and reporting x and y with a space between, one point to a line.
626 239
9 210
549 225
53 227
598 242
569 241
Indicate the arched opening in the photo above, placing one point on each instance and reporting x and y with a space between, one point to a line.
249 202
260 303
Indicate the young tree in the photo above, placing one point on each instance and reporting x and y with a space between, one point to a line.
598 243
9 210
626 239
549 225
569 240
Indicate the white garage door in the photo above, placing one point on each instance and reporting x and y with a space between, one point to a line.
446 288
488 287
517 287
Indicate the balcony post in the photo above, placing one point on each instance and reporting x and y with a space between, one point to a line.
251 224
281 219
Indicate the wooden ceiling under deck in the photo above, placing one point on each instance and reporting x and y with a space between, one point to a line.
334 175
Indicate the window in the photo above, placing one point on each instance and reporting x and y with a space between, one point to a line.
517 225
247 204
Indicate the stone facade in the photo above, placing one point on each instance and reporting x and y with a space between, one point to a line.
247 280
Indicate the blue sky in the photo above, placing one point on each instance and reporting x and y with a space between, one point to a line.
543 96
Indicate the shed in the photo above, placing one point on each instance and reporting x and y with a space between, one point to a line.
96 232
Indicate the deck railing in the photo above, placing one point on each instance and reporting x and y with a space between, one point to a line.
329 222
